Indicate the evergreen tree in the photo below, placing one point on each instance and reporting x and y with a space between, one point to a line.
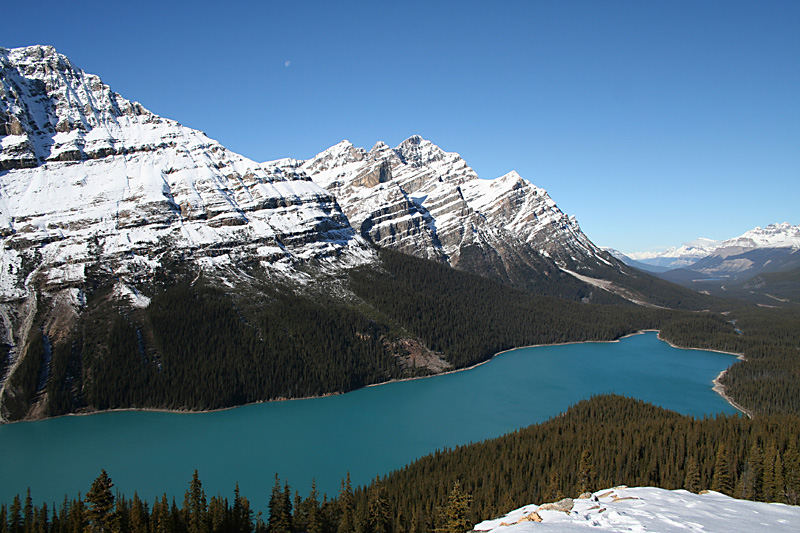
100 501
138 516
455 517
749 484
311 510
242 515
722 481
554 490
769 486
27 525
346 507
77 516
15 516
791 477
280 512
195 512
218 515
586 471
692 480
299 518
780 485
379 515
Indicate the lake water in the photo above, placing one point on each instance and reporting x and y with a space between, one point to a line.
367 432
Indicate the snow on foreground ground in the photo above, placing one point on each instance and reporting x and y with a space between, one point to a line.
650 509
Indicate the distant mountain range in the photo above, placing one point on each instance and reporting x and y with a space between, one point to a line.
782 235
761 264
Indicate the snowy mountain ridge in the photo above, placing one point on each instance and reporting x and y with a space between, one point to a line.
778 235
88 176
422 200
648 509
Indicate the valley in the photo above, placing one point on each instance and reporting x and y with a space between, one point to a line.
170 306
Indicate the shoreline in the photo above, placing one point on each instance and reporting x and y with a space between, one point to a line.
718 387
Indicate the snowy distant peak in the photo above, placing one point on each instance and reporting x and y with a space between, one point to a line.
695 249
780 235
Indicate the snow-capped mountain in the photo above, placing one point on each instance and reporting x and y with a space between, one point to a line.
93 183
781 235
103 204
647 509
421 200
89 176
677 256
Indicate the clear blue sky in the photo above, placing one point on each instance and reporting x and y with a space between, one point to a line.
652 122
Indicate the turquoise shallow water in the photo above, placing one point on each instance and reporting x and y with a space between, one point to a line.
366 432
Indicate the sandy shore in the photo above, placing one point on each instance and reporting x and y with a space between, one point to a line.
718 387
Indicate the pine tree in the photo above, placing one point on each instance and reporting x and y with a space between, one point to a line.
554 490
280 512
722 480
749 485
379 515
692 479
27 514
586 471
195 510
780 484
15 516
77 515
100 501
242 515
768 485
138 515
311 510
455 517
299 519
346 507
791 475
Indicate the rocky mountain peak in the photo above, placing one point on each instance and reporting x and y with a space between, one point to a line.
87 176
425 201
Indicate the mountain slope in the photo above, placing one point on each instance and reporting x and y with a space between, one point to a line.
774 236
144 264
421 200
95 189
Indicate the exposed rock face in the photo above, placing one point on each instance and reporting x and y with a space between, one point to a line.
89 176
90 181
422 200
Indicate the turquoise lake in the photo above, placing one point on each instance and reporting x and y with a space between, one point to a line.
367 432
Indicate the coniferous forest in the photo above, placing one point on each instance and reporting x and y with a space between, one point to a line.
198 346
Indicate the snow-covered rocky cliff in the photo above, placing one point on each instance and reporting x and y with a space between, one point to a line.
88 176
91 183
648 509
421 200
